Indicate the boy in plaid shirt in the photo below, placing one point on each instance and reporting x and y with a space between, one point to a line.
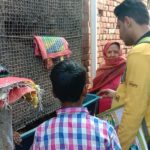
73 128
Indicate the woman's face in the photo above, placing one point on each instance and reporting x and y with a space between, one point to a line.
113 51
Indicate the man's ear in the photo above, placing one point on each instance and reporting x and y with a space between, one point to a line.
128 21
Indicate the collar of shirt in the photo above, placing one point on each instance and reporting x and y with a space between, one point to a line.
145 35
72 110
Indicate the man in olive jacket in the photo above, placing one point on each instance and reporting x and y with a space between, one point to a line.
134 91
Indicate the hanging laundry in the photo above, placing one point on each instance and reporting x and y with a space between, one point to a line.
11 90
14 88
51 47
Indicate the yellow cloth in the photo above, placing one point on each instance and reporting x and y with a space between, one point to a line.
135 94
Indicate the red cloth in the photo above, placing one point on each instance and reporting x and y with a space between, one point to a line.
14 88
108 76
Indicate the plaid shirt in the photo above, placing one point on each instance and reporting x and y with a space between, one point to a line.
75 129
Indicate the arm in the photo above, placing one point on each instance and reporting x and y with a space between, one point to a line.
136 98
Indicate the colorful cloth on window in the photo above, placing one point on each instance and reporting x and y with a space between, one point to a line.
51 47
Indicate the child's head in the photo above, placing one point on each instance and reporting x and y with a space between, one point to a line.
68 81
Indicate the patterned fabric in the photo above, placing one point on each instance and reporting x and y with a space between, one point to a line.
14 88
3 72
75 129
51 47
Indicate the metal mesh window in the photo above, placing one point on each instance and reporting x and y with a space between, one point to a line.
19 22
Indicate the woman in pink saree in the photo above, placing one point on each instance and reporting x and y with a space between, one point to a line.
109 74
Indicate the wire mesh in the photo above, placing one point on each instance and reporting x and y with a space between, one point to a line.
19 22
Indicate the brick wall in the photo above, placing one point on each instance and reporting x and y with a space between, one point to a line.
106 30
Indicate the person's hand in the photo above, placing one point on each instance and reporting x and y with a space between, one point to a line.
17 138
107 93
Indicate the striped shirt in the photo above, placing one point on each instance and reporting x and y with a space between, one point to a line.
75 129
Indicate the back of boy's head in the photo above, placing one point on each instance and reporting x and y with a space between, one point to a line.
135 9
68 80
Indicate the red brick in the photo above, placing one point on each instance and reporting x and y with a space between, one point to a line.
107 19
105 7
104 19
104 14
111 8
112 20
108 14
104 25
101 7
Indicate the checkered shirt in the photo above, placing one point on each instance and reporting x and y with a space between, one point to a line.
75 129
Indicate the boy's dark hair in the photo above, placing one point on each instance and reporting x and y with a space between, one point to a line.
135 9
68 80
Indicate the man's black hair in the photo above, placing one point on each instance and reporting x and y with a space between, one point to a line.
135 9
68 80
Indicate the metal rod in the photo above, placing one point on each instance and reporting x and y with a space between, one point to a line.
31 37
